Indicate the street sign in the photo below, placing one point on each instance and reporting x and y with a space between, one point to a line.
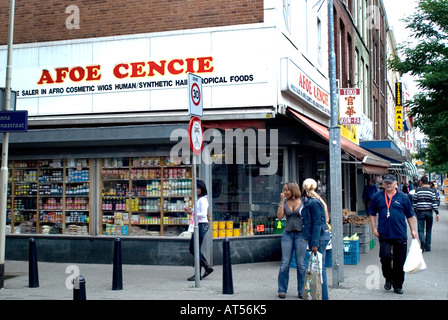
196 135
194 95
14 121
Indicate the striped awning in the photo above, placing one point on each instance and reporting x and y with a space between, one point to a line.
412 169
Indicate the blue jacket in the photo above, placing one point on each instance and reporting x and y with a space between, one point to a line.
314 222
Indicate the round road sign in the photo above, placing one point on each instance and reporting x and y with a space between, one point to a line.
196 135
195 94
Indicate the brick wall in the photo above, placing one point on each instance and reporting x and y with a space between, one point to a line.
37 21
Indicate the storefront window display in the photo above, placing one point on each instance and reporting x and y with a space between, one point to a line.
245 197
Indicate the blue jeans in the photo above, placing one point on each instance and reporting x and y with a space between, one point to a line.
289 242
202 228
425 217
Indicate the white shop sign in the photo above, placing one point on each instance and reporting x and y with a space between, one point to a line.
141 74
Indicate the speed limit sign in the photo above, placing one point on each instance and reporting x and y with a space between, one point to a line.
194 95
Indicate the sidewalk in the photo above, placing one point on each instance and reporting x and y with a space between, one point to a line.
257 281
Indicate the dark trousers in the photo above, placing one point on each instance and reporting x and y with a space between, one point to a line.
424 224
392 256
202 228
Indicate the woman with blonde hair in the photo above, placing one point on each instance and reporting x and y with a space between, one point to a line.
315 225
292 239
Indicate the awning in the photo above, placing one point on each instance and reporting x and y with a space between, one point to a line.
412 169
372 164
385 148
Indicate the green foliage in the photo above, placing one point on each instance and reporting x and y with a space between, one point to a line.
427 60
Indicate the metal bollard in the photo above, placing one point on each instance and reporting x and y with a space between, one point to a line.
33 273
227 280
117 276
79 288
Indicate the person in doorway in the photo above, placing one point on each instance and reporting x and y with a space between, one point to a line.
393 209
203 225
316 226
425 202
367 194
292 237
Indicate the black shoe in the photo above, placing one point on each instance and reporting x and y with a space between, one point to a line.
282 295
388 285
300 296
192 278
398 290
207 272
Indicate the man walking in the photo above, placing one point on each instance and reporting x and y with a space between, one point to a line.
368 192
425 202
393 208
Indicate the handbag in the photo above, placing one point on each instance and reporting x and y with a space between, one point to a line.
313 278
414 262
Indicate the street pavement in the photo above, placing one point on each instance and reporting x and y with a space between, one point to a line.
255 281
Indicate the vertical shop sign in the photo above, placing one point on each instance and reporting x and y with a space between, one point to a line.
350 106
399 116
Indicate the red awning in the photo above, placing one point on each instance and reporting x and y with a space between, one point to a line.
372 163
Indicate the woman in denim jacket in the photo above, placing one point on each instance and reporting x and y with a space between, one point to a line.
315 226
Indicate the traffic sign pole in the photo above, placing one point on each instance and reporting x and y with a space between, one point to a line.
196 137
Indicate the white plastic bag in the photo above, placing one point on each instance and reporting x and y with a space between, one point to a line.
414 261
313 278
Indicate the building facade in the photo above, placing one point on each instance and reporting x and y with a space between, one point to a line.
106 153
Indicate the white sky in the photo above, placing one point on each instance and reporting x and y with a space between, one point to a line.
396 10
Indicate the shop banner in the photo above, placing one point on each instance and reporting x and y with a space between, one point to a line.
350 106
143 73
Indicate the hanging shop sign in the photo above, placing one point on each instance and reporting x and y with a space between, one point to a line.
350 106
297 83
398 94
399 118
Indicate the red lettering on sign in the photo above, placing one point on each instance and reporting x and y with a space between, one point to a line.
130 70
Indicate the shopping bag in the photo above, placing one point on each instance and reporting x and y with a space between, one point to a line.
313 278
414 260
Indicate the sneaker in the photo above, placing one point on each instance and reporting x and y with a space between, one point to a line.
388 285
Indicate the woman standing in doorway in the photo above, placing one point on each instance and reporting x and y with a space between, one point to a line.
315 226
291 207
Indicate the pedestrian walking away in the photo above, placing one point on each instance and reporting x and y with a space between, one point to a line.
316 229
292 238
393 209
424 203
368 192
203 225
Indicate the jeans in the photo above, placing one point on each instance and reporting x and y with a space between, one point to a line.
392 256
202 228
425 217
289 242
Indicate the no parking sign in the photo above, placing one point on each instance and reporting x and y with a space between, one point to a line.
194 95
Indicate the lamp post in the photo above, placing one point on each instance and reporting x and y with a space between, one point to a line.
5 147
335 162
